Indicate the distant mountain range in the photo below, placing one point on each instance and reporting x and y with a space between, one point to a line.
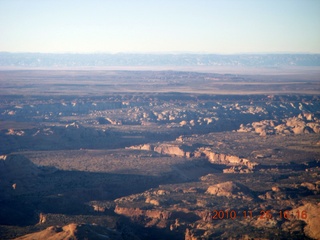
126 59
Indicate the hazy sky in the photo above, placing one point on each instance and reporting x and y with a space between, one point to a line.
209 26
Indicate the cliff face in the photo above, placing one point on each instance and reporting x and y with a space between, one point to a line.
207 152
221 158
170 150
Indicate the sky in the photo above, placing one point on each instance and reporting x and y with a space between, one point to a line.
160 26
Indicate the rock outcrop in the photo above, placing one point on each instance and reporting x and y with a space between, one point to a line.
138 212
170 150
304 123
221 158
237 164
73 231
15 132
146 147
310 214
230 190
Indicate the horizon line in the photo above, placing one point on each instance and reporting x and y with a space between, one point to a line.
165 53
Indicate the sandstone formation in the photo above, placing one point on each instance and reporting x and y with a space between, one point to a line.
311 218
15 132
225 158
238 169
170 150
73 231
136 212
265 222
303 123
146 147
237 164
42 218
230 190
315 187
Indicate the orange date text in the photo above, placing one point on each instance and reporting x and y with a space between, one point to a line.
262 214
